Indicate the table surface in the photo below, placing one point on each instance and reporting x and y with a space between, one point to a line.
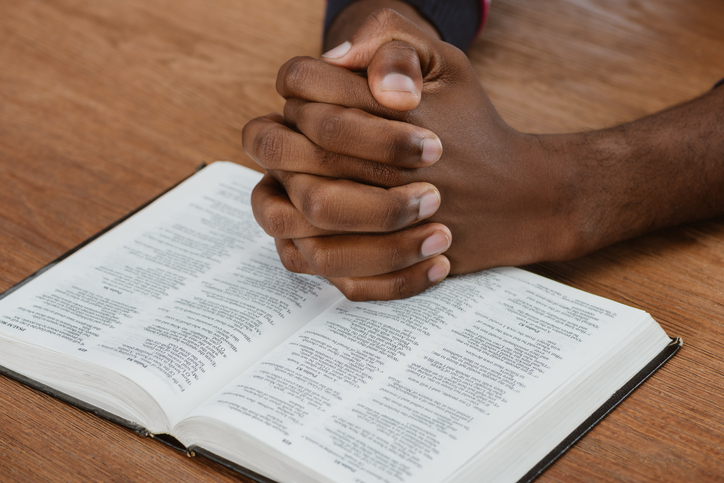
104 104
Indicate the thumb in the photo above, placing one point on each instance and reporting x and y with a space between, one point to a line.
394 52
395 76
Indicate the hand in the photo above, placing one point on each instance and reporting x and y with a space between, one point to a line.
507 198
500 199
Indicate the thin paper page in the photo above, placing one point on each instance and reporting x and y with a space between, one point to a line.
180 298
408 390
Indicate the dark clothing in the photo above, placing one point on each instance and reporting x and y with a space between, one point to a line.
457 21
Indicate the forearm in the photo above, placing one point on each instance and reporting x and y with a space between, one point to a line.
662 170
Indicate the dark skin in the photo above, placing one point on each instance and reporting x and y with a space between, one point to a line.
356 189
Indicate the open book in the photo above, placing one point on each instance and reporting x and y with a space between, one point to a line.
182 321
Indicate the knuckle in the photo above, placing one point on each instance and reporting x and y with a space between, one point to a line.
352 289
249 134
293 75
269 148
401 54
393 216
383 17
274 222
330 131
399 287
321 259
316 205
290 258
396 258
403 49
294 110
357 290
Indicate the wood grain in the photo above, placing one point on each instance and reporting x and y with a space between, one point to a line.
104 104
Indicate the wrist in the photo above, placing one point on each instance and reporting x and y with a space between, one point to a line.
620 184
595 202
351 18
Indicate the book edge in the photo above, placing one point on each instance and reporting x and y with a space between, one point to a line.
604 410
196 450
164 438
614 401
596 417
73 401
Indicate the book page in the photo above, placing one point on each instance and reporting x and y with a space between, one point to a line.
180 298
409 390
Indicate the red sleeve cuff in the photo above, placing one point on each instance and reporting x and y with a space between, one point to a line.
484 9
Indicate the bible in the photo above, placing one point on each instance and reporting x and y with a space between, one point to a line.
181 323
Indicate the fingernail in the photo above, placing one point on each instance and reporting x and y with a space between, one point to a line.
431 150
438 271
338 51
398 82
429 203
436 243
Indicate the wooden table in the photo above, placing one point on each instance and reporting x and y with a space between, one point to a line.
104 104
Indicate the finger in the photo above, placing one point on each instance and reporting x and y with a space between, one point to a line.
382 26
314 80
276 214
364 255
343 205
396 285
355 133
395 76
291 258
441 64
274 146
389 286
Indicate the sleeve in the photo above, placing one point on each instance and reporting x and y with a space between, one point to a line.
458 21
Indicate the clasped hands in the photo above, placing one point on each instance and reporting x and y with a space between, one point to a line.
386 183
